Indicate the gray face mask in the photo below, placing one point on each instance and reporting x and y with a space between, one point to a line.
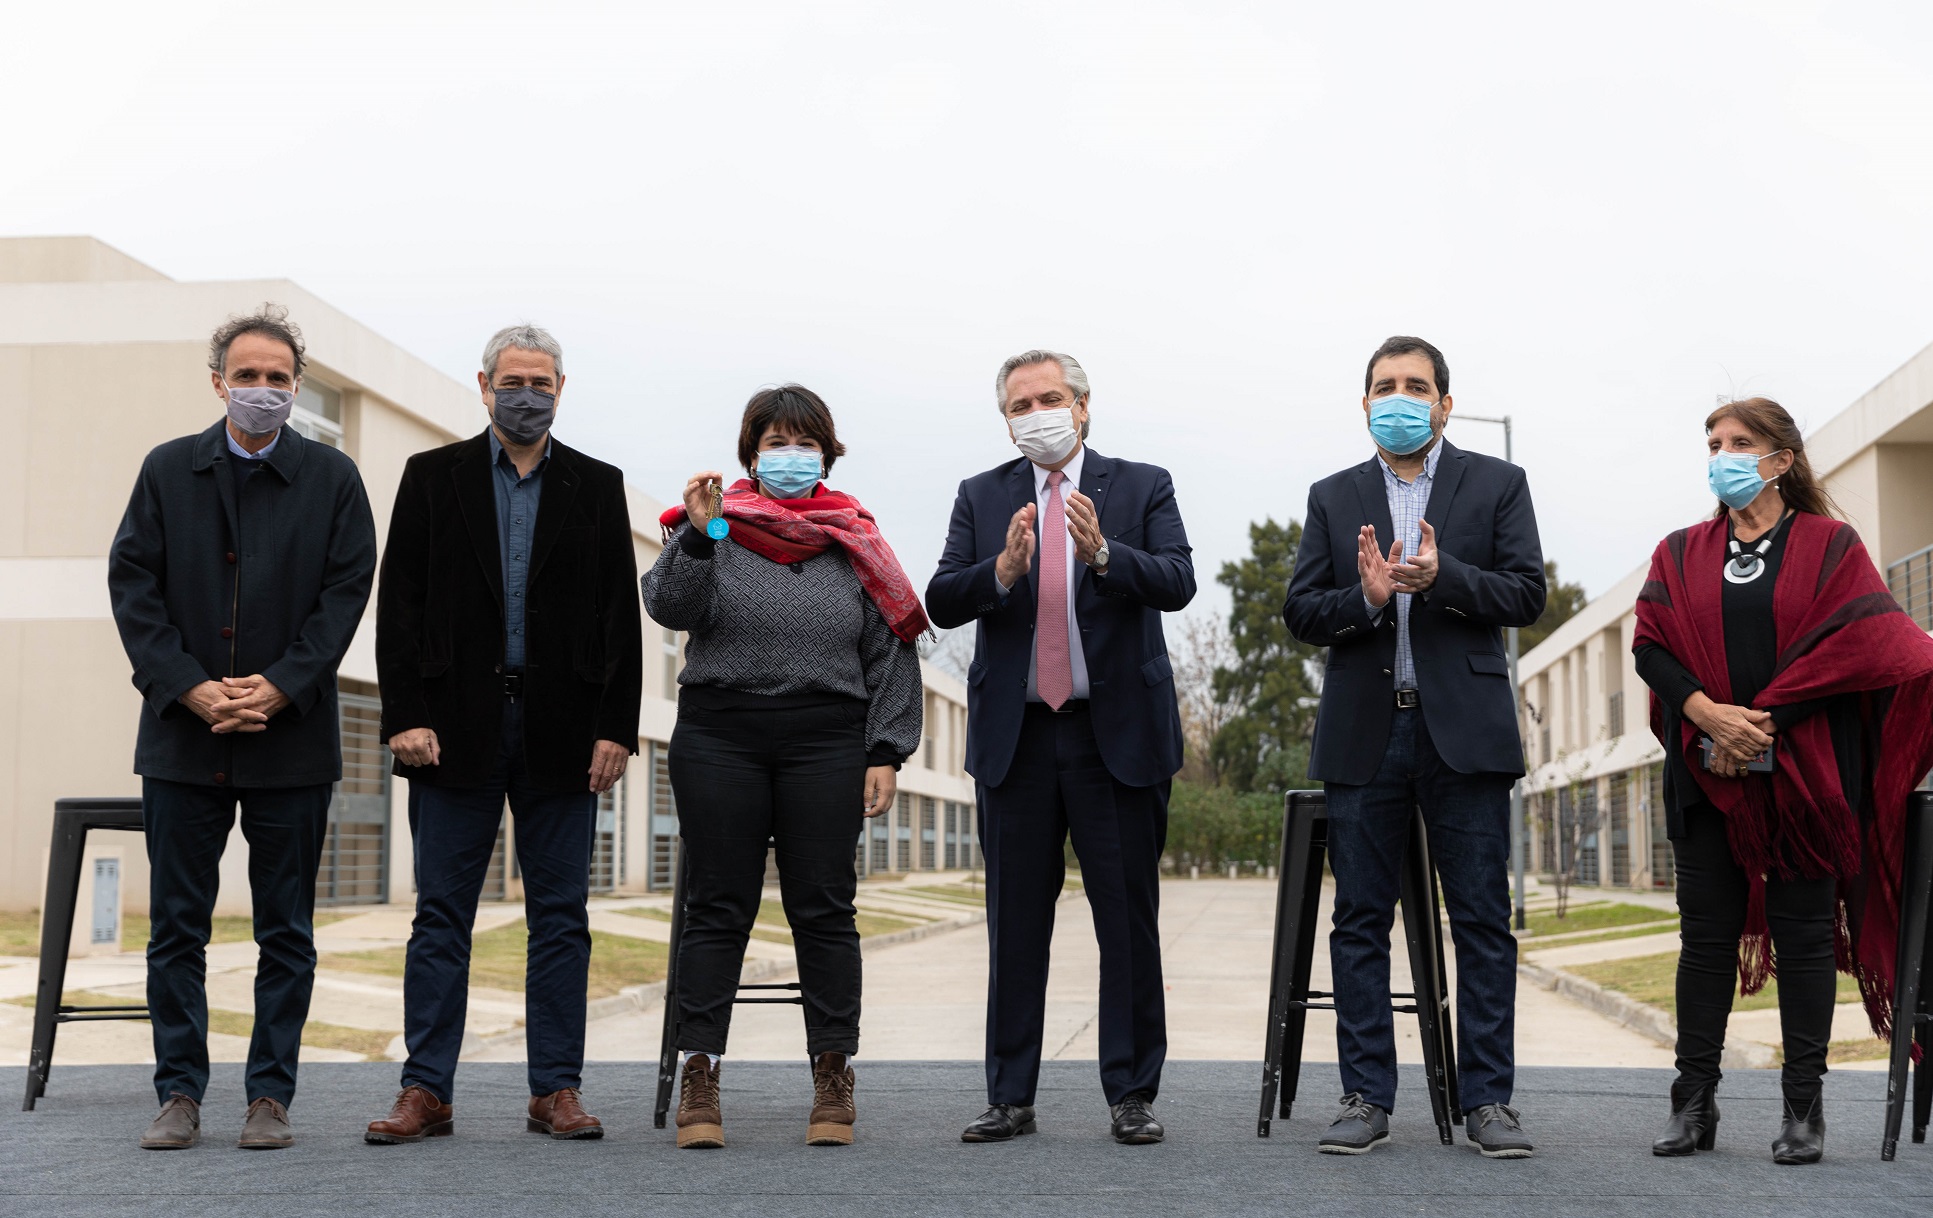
258 410
523 414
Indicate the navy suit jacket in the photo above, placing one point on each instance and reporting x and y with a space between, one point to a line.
1490 574
1131 683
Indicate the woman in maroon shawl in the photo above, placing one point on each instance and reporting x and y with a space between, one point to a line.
799 698
1794 700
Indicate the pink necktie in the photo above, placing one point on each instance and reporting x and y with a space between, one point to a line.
1053 669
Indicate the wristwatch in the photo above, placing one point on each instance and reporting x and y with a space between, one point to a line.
1100 558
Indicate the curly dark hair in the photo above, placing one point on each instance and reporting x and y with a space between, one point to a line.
1405 344
271 320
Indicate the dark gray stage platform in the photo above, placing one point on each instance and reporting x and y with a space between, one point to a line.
77 1153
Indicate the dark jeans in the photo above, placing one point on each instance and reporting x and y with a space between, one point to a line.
794 776
455 832
1803 914
1059 787
187 827
1468 819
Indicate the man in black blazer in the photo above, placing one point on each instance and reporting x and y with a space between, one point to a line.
1417 709
238 577
510 653
1067 559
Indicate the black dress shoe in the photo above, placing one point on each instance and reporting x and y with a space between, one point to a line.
1001 1123
1494 1128
1134 1123
1803 1138
1358 1129
1694 1122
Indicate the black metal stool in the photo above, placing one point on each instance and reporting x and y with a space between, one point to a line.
72 819
668 1045
1305 839
1912 1004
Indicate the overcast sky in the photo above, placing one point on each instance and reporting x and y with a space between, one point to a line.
1607 216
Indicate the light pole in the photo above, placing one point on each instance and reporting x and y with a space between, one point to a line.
1517 845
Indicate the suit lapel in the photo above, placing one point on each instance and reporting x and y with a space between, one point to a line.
1375 502
1094 484
1449 475
478 499
1020 490
553 504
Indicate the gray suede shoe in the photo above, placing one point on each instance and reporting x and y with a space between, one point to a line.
176 1127
267 1127
1358 1129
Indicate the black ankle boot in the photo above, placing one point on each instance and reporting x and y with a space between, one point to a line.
1802 1139
1694 1121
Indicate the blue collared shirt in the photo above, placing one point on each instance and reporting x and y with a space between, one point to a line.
1407 502
516 526
243 453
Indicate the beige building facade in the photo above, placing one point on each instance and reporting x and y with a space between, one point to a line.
1594 795
102 358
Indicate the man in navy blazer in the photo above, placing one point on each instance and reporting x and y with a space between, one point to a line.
1417 709
1066 560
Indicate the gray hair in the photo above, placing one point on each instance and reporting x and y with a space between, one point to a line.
1070 370
523 337
270 321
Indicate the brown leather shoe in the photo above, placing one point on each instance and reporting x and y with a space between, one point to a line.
561 1115
416 1115
267 1127
700 1124
176 1127
832 1110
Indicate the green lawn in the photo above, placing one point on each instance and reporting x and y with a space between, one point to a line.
771 920
371 1044
1654 980
20 932
497 960
960 894
1598 915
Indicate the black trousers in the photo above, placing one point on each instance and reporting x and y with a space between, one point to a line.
1712 892
187 827
754 772
1059 787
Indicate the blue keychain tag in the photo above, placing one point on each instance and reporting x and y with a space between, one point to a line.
717 529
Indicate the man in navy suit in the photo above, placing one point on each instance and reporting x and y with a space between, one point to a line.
1067 560
1417 709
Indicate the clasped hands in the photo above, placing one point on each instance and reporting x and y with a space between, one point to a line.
236 704
1738 733
1083 525
1383 577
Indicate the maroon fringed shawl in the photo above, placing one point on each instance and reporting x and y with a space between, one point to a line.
793 530
1839 632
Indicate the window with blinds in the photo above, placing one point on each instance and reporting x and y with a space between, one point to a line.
1664 867
662 871
1617 826
355 851
607 841
929 833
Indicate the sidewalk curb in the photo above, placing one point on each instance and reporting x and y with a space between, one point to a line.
1643 1018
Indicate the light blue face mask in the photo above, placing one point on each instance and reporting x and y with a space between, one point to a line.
1734 477
1400 424
790 472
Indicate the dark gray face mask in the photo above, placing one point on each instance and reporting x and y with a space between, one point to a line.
523 414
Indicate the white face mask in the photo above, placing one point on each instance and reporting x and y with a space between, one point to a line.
1045 436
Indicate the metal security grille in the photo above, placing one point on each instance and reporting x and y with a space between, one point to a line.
496 880
607 845
929 833
903 833
1618 827
952 852
355 852
664 820
1664 867
1588 838
1911 581
880 861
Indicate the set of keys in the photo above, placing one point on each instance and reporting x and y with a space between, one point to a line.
717 527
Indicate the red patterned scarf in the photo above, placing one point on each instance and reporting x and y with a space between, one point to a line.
1840 632
793 530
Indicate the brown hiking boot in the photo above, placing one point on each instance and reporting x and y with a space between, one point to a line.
832 1112
700 1125
267 1127
416 1115
176 1127
561 1115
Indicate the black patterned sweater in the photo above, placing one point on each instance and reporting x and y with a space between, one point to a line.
786 629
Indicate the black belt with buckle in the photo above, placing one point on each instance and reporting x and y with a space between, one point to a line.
513 685
1408 699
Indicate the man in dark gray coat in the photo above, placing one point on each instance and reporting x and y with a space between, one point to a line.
238 577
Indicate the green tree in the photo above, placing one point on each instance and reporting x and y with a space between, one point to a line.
1264 744
1561 600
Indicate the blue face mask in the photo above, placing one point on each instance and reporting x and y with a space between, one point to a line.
1734 477
790 472
1400 424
